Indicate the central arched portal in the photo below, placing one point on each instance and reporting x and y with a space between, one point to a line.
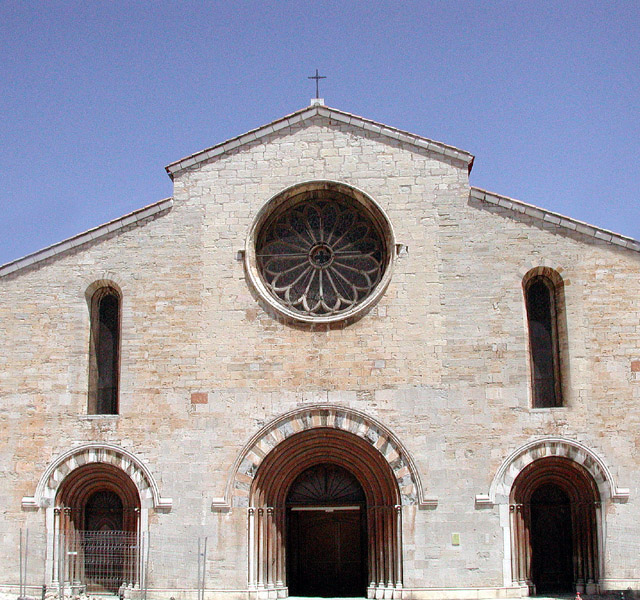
325 518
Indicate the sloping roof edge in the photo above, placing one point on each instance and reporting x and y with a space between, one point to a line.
131 218
145 212
555 218
324 111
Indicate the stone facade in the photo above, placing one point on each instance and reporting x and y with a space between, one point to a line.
435 376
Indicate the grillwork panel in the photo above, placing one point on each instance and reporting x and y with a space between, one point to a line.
101 560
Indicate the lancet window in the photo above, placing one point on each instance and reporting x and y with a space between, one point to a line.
542 304
104 354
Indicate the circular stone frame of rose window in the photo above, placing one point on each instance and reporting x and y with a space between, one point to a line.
322 256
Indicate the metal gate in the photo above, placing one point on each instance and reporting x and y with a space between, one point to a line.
100 562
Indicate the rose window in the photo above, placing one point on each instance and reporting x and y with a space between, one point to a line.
322 256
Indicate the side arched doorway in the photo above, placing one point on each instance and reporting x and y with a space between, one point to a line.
97 520
554 505
324 518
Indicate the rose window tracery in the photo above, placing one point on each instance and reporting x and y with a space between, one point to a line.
321 256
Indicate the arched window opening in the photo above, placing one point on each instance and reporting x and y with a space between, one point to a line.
104 366
541 303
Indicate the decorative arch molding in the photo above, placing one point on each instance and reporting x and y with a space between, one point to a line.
244 470
108 454
285 194
556 273
517 461
556 498
105 280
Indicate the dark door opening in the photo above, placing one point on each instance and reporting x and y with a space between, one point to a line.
326 534
105 544
551 540
326 553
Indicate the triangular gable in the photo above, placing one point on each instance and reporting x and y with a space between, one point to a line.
557 219
330 113
143 214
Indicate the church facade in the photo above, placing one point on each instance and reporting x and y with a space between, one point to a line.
334 368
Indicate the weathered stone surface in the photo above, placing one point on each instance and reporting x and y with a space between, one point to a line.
441 361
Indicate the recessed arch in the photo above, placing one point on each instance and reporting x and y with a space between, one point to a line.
555 512
71 482
106 280
97 527
323 446
353 421
500 488
579 455
50 481
550 273
80 486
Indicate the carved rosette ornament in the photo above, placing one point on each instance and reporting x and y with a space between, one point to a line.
320 253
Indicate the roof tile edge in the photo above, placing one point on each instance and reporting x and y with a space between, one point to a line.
95 233
555 218
327 112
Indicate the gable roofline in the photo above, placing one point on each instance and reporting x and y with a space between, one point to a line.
323 111
150 210
555 219
132 218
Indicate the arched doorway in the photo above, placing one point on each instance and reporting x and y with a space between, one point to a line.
352 498
554 527
97 517
326 533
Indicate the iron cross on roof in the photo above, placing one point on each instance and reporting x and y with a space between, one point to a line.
317 78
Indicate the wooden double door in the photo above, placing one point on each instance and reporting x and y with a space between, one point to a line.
326 551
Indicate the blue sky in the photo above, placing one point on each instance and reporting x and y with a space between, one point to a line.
97 97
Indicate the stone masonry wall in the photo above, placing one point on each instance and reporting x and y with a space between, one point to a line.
441 360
